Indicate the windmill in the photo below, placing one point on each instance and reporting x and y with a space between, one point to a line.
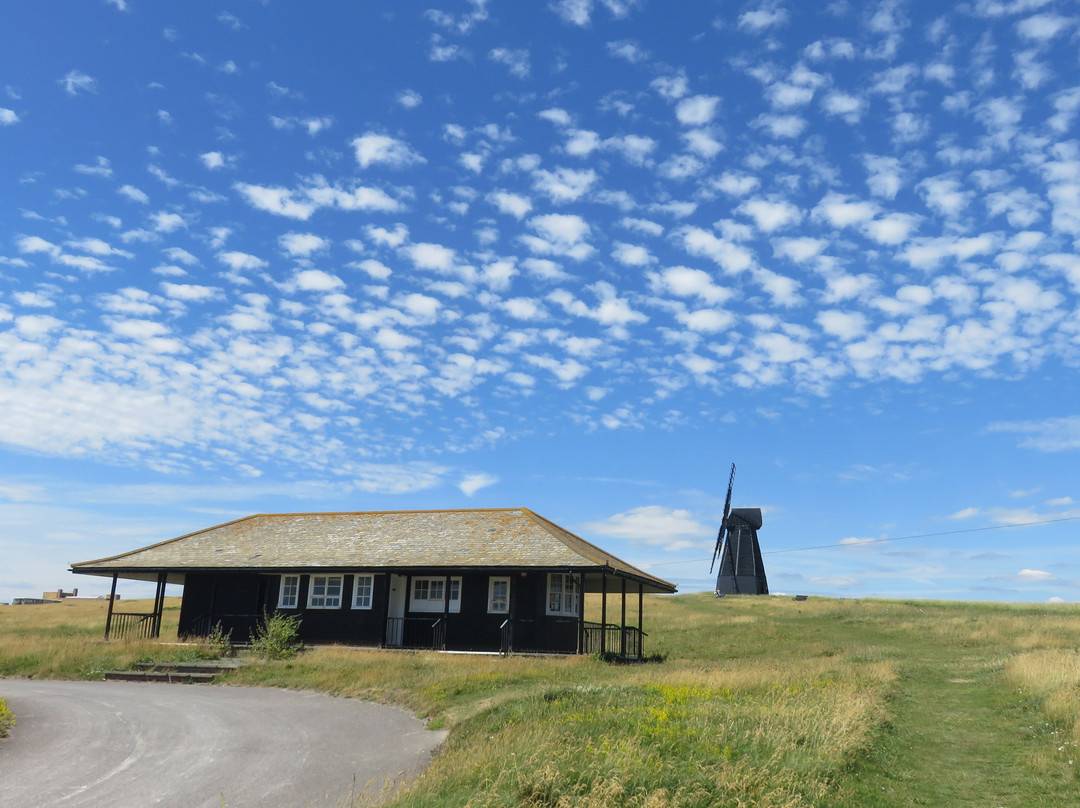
741 569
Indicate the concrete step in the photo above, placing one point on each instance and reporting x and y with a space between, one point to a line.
189 667
159 676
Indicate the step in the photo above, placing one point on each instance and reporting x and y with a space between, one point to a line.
188 667
159 676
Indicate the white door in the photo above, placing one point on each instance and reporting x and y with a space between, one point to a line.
395 616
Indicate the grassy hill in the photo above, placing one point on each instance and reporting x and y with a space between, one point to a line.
762 702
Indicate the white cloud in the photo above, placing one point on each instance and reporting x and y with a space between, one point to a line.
213 160
698 110
76 82
1049 435
512 204
374 149
564 184
628 49
241 261
8 117
1028 575
516 59
560 234
300 203
840 210
190 293
655 525
964 513
100 168
770 214
410 99
315 280
474 482
302 245
671 87
842 105
780 126
761 19
134 194
575 12
431 256
1043 27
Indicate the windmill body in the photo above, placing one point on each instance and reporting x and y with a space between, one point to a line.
741 569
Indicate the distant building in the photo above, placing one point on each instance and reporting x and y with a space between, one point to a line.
32 601
60 594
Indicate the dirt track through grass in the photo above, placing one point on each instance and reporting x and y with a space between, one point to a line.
961 736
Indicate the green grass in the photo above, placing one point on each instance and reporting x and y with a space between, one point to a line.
763 702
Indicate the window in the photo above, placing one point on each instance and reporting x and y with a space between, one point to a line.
562 594
363 587
498 595
455 595
427 594
325 592
288 592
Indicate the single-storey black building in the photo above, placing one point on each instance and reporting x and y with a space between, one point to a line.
470 580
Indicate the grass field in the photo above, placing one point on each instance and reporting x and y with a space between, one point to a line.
761 702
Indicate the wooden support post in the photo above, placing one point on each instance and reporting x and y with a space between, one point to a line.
159 605
641 631
112 600
622 629
603 613
581 612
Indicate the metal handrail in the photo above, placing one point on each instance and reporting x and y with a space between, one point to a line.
133 624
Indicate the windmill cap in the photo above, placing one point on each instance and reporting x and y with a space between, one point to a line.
752 516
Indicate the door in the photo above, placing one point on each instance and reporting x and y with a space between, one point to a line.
395 613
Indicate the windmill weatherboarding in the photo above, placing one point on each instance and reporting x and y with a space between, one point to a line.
741 569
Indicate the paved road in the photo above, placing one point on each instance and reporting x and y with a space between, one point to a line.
132 744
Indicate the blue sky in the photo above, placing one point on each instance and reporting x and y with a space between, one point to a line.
577 256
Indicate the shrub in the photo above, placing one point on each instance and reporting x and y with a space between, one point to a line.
276 636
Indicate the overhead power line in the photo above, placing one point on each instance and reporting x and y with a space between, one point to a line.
864 542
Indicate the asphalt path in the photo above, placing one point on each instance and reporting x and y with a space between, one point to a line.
134 744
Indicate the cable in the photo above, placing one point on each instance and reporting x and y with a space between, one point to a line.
880 541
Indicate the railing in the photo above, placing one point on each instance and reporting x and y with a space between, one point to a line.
416 632
136 625
627 642
506 637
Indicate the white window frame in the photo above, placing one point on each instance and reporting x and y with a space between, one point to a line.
366 579
562 594
493 606
427 603
283 602
325 600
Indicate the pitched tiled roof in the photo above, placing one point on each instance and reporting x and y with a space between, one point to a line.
511 537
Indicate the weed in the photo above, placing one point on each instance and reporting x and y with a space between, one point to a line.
219 641
7 719
275 636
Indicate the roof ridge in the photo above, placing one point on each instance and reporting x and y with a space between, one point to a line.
374 513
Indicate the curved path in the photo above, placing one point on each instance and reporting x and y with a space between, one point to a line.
120 744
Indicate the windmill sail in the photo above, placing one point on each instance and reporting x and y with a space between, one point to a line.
723 522
741 569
